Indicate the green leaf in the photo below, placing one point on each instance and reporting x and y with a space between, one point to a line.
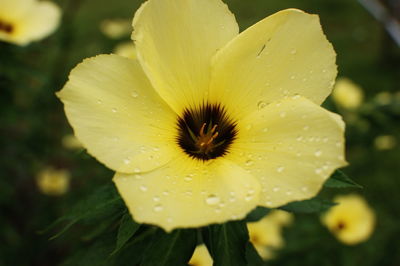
257 214
173 249
103 203
253 258
126 230
227 243
314 205
341 180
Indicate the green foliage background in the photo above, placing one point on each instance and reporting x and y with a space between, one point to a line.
33 124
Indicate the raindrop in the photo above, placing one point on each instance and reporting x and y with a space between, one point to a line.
265 129
249 197
143 188
268 203
187 178
134 94
249 162
305 128
295 97
280 169
282 114
325 140
304 189
136 170
169 220
299 138
99 101
323 70
318 171
212 199
114 110
318 153
294 51
292 77
158 208
138 177
289 192
338 144
127 161
165 193
276 189
156 198
261 104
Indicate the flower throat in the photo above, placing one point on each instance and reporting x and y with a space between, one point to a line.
5 27
205 132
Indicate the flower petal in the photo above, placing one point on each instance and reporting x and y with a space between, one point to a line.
292 147
283 55
42 20
175 41
189 193
118 116
12 10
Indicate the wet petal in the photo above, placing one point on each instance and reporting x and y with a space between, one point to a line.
292 147
12 10
189 193
283 55
117 115
175 41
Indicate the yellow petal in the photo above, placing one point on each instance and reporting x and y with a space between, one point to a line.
292 147
283 55
117 115
126 49
201 257
41 20
189 193
175 41
12 10
351 221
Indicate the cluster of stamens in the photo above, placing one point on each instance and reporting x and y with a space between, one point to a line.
6 27
205 132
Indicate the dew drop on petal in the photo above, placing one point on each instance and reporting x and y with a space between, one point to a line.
249 126
280 169
318 153
143 188
261 104
134 94
249 162
305 128
165 193
158 208
99 101
294 51
212 199
169 220
136 170
127 161
156 198
289 192
276 189
138 177
282 114
318 171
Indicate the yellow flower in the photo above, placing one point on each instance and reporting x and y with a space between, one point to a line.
347 94
351 221
209 123
53 182
71 142
126 49
24 21
201 257
385 142
115 28
266 234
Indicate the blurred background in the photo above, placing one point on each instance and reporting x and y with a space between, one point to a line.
44 171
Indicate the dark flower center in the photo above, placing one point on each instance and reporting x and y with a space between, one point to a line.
205 132
7 27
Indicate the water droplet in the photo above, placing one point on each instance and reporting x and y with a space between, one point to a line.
156 198
294 51
249 162
268 203
304 79
304 189
187 178
276 189
299 138
249 197
127 161
292 77
265 129
280 169
318 171
282 114
261 104
338 144
212 199
295 97
114 110
305 128
99 101
298 154
134 94
158 208
165 193
249 126
136 170
323 70
156 148
325 139
138 177
289 192
318 153
169 220
143 188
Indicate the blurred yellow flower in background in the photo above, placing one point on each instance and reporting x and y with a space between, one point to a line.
24 21
126 49
351 221
266 234
208 123
201 257
116 28
53 182
347 94
71 142
385 142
